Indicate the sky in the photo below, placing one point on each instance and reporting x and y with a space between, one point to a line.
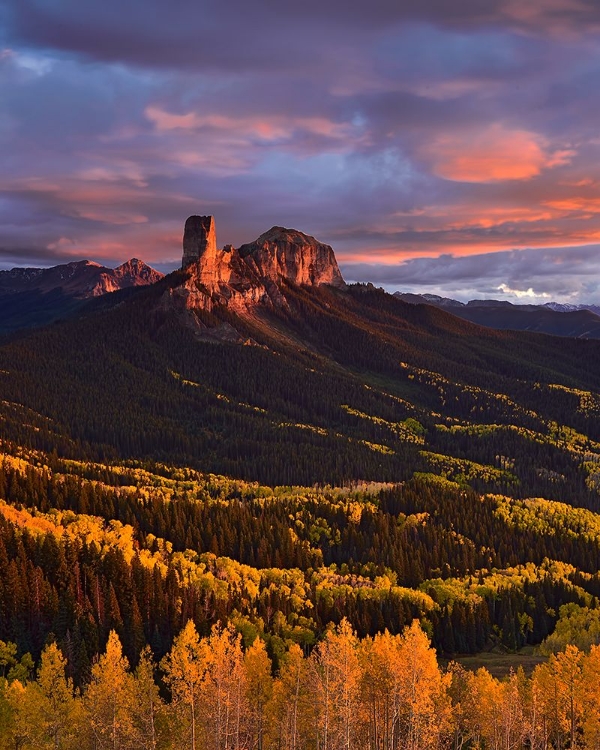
441 147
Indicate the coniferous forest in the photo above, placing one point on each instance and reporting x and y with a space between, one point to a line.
307 535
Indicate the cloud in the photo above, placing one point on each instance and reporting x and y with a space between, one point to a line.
522 293
563 274
493 154
390 130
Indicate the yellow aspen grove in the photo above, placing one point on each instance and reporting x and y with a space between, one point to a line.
590 698
184 671
336 679
259 692
109 699
384 693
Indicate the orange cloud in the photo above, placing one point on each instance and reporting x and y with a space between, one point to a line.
576 204
495 216
276 127
560 18
493 154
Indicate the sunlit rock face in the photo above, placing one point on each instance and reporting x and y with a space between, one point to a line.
251 275
199 240
133 272
288 254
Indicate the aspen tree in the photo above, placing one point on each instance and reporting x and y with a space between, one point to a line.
566 667
223 691
293 713
147 702
56 707
380 688
109 699
184 671
336 678
22 701
590 697
259 691
425 705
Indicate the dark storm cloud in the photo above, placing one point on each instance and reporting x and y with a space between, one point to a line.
390 130
211 33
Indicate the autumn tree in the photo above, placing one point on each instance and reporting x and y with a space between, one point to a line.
184 668
424 707
225 711
57 713
147 704
109 699
259 691
336 682
292 711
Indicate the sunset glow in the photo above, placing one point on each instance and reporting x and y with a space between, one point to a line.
404 135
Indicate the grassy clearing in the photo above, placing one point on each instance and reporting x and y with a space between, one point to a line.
499 664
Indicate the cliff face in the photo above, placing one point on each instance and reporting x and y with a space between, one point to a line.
252 274
288 254
199 240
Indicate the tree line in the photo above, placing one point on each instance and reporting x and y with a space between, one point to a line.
387 692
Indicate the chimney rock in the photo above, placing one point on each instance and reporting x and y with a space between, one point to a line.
199 239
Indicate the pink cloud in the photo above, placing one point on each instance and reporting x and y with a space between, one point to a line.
274 128
493 154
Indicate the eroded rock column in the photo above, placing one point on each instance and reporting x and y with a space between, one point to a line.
199 239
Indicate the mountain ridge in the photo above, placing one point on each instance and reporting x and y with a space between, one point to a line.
80 279
573 321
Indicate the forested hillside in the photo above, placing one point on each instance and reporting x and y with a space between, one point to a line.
293 485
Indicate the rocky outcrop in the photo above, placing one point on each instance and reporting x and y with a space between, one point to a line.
288 254
253 274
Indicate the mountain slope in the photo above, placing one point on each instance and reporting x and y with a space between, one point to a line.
79 279
335 385
556 320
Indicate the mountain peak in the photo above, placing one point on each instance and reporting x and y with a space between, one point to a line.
78 278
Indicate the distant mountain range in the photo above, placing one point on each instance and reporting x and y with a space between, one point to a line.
30 297
576 321
81 279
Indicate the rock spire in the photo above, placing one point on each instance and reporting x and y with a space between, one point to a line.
199 239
